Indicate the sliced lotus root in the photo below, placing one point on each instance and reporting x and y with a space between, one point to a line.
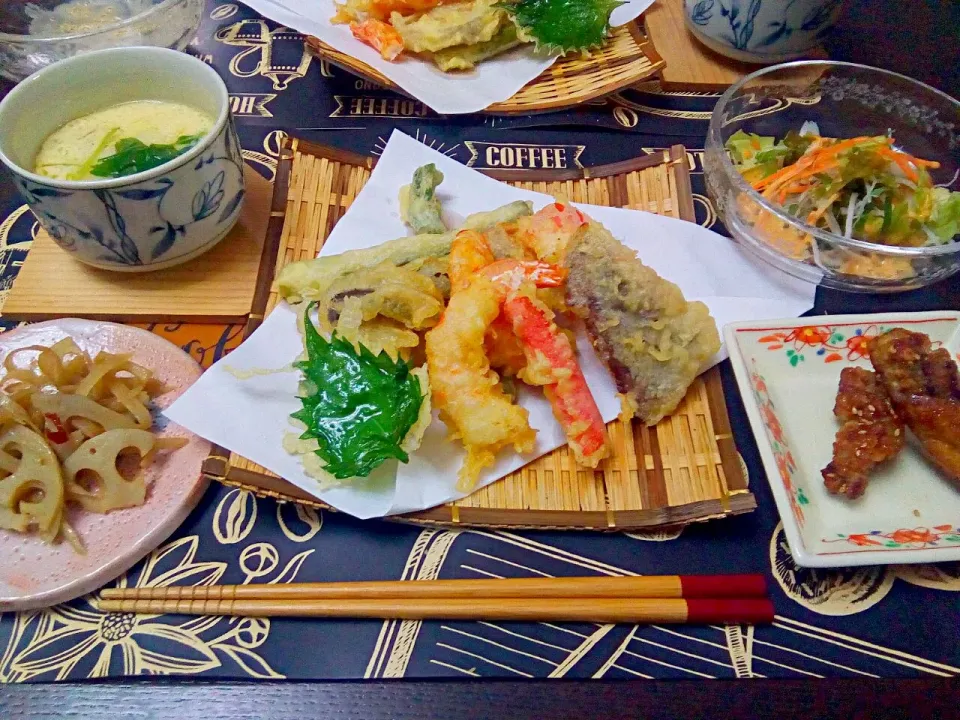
31 497
92 476
69 407
63 412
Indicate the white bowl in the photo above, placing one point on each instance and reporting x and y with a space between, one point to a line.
145 221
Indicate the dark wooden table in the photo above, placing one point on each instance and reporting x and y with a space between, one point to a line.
859 699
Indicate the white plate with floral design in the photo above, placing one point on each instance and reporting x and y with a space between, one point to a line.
788 372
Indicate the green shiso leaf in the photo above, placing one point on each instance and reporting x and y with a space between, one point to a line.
360 405
563 26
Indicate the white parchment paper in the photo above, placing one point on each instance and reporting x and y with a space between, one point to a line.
251 416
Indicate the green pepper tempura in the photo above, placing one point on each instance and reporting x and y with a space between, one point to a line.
862 188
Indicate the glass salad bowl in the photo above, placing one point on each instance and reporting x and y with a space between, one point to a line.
37 33
910 245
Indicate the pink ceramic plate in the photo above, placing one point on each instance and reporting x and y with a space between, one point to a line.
34 574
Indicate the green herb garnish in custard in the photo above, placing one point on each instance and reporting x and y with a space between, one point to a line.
358 406
131 155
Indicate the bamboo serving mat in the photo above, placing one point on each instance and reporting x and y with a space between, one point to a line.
683 470
627 58
219 286
689 64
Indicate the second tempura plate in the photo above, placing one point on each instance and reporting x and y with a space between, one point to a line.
36 574
788 372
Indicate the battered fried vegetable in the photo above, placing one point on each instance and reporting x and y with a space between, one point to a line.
563 26
419 204
351 10
309 279
461 23
653 341
393 292
357 406
465 57
435 270
380 308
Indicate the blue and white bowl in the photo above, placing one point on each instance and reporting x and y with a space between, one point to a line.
761 31
147 221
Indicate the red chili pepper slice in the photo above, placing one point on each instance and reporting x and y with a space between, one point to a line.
59 435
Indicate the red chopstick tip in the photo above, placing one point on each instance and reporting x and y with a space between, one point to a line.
723 586
746 611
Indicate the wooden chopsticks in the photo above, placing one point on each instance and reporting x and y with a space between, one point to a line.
645 599
600 610
643 586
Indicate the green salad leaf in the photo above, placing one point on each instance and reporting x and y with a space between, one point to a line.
757 156
359 407
562 26
131 155
945 219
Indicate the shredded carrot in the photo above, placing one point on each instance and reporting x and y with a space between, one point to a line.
822 209
815 161
797 175
901 161
796 188
782 175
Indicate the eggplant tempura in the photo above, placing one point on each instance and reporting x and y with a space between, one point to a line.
653 341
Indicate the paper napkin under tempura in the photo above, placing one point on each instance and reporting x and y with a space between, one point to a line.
251 416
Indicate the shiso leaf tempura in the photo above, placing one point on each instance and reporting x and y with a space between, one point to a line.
358 406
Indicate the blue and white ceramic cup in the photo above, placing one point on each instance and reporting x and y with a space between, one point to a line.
146 221
761 31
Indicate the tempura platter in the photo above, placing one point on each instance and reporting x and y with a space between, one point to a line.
683 470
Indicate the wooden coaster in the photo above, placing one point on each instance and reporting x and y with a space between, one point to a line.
683 470
691 65
219 286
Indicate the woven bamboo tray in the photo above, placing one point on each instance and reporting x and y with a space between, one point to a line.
627 58
683 470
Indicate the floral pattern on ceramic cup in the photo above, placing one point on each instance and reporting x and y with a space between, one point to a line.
156 221
774 29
